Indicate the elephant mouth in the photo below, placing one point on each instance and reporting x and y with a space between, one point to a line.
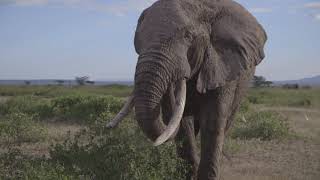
177 100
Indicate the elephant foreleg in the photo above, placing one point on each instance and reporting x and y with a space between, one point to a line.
214 113
187 146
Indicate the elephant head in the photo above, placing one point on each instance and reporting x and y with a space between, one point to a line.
211 42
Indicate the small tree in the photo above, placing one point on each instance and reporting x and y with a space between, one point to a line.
60 82
268 83
90 82
260 81
82 80
27 83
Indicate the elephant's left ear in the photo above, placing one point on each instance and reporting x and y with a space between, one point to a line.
236 46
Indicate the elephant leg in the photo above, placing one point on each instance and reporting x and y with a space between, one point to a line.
187 146
214 114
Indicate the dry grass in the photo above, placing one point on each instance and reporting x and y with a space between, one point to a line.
57 133
293 159
296 159
3 99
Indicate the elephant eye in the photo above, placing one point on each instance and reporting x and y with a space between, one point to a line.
188 35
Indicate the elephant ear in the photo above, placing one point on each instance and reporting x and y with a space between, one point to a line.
136 41
236 46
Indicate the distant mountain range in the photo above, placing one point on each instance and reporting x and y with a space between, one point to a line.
313 81
65 82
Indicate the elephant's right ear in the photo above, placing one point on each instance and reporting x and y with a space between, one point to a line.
237 44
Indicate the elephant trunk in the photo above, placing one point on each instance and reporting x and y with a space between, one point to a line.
151 82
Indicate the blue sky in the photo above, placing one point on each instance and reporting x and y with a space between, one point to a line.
61 39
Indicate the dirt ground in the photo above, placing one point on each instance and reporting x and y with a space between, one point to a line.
294 159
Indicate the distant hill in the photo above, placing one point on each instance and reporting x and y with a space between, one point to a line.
313 81
63 82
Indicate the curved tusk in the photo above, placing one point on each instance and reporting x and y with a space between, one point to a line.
176 117
122 114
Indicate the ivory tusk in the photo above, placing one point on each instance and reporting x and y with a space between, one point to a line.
122 114
176 116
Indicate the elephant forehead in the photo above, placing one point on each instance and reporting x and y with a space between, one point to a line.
165 17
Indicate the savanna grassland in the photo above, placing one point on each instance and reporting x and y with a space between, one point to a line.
57 132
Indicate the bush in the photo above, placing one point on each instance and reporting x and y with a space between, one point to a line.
85 108
82 108
15 165
21 127
123 153
264 125
28 105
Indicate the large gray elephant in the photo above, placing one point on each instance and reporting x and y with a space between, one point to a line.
196 59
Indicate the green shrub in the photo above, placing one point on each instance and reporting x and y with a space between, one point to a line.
15 165
85 108
122 153
21 127
30 105
263 125
82 108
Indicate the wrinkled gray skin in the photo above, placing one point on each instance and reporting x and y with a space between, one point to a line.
214 45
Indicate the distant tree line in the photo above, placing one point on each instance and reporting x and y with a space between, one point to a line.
295 86
260 81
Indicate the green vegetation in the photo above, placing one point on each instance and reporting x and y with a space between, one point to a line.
55 91
285 97
30 105
120 154
97 153
16 165
92 153
261 125
85 108
80 108
19 127
123 153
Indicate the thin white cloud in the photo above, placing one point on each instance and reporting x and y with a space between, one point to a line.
314 8
313 5
124 7
24 2
31 2
317 17
118 8
260 10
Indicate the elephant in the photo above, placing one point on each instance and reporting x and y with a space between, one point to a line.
196 60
